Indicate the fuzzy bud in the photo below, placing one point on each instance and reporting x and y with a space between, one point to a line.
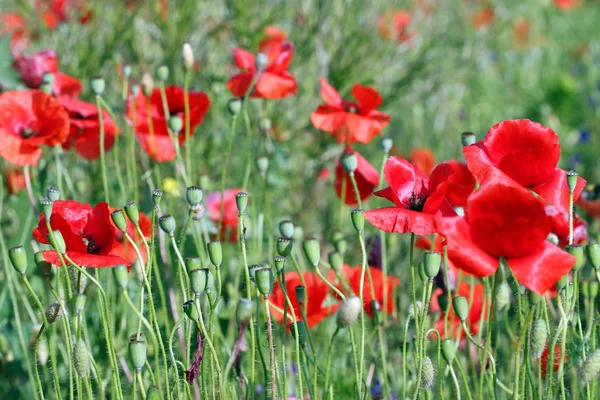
467 138
175 124
592 251
537 338
81 359
461 307
215 253
157 196
286 228
147 85
576 251
241 201
386 144
427 373
261 61
284 246
121 275
264 281
18 259
53 312
52 193
432 260
132 213
234 106
97 85
118 218
279 263
448 350
193 195
244 311
78 280
187 54
312 250
590 368
167 224
572 177
358 219
162 72
80 301
336 261
348 312
349 162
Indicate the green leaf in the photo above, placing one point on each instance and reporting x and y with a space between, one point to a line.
9 77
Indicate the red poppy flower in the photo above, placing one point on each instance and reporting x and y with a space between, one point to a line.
367 179
14 25
15 179
559 225
545 356
566 5
84 131
27 121
124 249
481 18
417 198
230 215
524 152
33 67
473 318
316 292
391 282
271 45
460 185
88 233
55 12
350 121
505 221
274 82
158 144
394 25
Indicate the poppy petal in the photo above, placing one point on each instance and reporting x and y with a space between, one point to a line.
556 191
400 220
243 59
85 259
330 96
367 97
239 84
275 86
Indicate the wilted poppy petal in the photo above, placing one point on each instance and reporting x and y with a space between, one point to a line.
400 220
330 96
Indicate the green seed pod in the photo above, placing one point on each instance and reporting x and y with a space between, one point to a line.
193 263
53 312
592 251
502 297
562 283
162 72
118 218
572 177
284 246
138 350
336 261
81 359
286 228
461 307
18 259
261 61
189 308
244 311
61 247
301 334
147 84
167 224
432 260
358 219
467 138
262 163
234 106
78 280
537 338
300 293
215 253
97 85
264 281
386 144
187 55
80 301
349 162
175 124
157 196
279 263
576 251
241 201
121 275
153 393
126 71
339 242
593 289
448 350
132 213
534 298
199 280
312 251
590 368
46 205
427 373
52 193
348 312
194 195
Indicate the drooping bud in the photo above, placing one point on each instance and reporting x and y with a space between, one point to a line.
264 281
157 196
199 280
448 350
576 251
261 61
81 359
121 276
118 218
18 259
286 228
336 261
358 220
189 308
467 138
284 246
187 54
147 85
461 307
427 373
167 224
175 124
193 195
279 263
132 213
52 193
97 85
46 205
53 312
348 312
138 349
349 162
244 311
241 201
162 72
234 106
215 253
572 177
590 368
432 260
537 338
386 144
592 251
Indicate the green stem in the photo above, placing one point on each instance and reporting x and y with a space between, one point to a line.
231 138
102 157
329 352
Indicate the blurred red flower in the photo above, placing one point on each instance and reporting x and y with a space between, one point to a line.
84 131
391 282
423 158
526 153
507 221
88 233
124 249
482 17
559 225
28 120
230 215
394 25
157 143
55 12
15 179
546 355
350 121
367 179
33 67
417 198
567 4
271 45
316 293
13 24
521 33
473 318
460 184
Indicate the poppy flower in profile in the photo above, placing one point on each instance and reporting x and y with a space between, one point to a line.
394 25
460 185
88 234
13 24
124 249
559 225
367 179
316 292
274 82
28 120
473 318
15 179
84 133
350 121
391 283
526 153
505 221
417 198
230 215
156 142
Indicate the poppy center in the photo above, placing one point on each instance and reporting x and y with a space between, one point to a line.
90 244
26 132
351 108
416 202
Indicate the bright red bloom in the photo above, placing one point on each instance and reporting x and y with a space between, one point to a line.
88 233
158 144
33 67
275 81
230 215
460 185
559 224
124 249
473 318
14 25
29 120
324 174
545 356
316 293
526 153
367 179
567 4
417 198
350 121
15 179
271 45
84 131
391 282
394 25
505 221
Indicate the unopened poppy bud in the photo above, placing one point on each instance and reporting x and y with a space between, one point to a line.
121 276
80 301
241 201
594 289
300 293
590 368
534 298
279 263
175 124
153 393
215 253
261 61
157 196
194 195
187 54
81 359
135 89
59 241
52 193
576 251
562 283
552 238
162 72
18 259
262 163
427 373
502 297
78 280
461 307
432 261
358 219
572 177
467 138
118 218
167 224
126 71
138 349
349 162
386 144
46 205
300 333
448 350
132 213
312 250
336 261
189 308
147 85
234 106
286 228
537 338
284 246
41 263
592 251
244 310
348 312
97 85
264 281
199 280
53 312
411 309
264 125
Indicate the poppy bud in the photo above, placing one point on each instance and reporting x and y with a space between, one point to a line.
18 259
262 163
135 89
80 301
126 71
534 298
502 297
358 219
348 312
81 359
46 208
461 307
386 144
244 310
147 85
193 195
132 213
336 261
175 124
193 263
562 283
121 276
234 106
576 251
467 138
312 250
286 228
552 238
592 251
215 253
284 246
594 289
138 349
264 281
572 180
349 162
427 373
199 280
97 85
187 54
279 263
301 333
78 280
537 338
162 72
157 196
52 193
300 293
241 201
189 308
53 312
448 350
590 368
153 393
118 218
61 247
167 224
261 61
432 261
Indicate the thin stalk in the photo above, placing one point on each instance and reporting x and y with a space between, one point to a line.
231 138
271 347
328 364
102 156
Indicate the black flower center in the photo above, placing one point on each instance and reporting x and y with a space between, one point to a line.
351 108
90 244
416 202
26 132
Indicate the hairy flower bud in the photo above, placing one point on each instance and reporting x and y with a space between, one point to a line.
81 359
590 368
537 339
448 350
199 280
215 253
460 305
138 349
348 312
358 219
18 259
53 312
118 218
427 373
432 260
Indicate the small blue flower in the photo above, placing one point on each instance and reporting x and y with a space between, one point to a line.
376 389
260 389
584 136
